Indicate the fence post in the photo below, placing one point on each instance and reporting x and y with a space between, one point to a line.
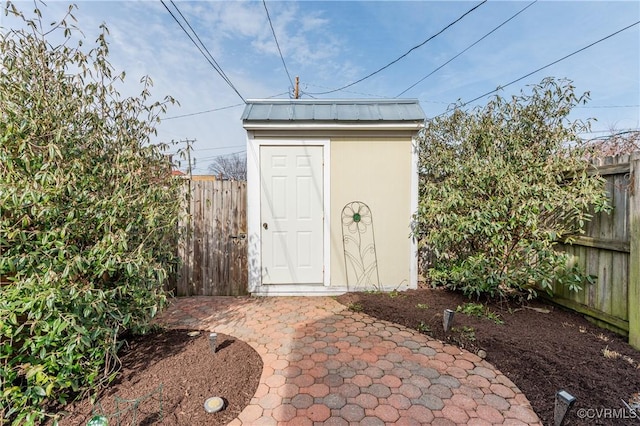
634 254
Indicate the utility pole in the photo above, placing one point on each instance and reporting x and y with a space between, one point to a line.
296 90
186 155
189 143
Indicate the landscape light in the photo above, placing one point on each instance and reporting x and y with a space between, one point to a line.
447 319
213 404
213 337
564 401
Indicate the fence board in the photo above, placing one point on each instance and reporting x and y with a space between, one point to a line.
634 254
609 250
213 251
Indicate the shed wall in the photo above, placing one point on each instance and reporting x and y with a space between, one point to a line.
377 172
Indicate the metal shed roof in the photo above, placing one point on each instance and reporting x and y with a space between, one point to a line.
333 110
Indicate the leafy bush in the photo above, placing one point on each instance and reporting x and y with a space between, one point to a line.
499 187
88 218
479 310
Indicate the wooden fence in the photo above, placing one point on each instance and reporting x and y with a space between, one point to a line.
214 250
610 250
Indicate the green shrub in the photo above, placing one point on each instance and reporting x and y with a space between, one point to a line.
499 187
423 328
355 307
479 310
88 218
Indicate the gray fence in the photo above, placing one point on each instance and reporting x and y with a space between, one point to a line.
214 250
610 250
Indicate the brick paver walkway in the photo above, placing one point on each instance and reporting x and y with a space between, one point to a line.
326 365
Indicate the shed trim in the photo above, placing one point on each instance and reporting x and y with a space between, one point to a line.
254 208
344 126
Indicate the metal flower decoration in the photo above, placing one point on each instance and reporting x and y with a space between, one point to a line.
356 216
358 239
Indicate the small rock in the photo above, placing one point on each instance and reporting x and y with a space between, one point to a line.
482 354
541 310
193 333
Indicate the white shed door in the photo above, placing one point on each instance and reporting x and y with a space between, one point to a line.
292 215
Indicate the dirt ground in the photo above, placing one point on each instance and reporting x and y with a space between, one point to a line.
172 374
540 347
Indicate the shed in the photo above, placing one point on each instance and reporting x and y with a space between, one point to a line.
331 189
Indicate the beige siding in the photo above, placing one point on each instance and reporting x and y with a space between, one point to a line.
378 173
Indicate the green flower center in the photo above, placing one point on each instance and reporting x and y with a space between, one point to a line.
356 217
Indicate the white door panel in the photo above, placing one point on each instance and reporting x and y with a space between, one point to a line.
292 197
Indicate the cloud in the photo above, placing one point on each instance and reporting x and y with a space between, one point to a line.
305 37
330 44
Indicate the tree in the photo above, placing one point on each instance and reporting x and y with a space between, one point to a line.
233 167
88 217
499 187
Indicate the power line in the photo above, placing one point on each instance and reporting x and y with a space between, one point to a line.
435 102
611 136
216 109
209 160
277 44
213 157
208 58
202 112
403 55
539 69
221 147
211 149
608 106
279 94
217 66
622 131
469 47
346 91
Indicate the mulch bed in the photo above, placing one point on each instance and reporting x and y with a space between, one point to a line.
540 347
183 371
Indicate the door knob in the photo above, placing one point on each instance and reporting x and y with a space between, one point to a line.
265 225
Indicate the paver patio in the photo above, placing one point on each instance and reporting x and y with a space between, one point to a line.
327 365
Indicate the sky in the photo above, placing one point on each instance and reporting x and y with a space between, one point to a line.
331 44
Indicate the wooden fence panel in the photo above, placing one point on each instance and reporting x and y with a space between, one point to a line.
633 295
605 252
214 247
